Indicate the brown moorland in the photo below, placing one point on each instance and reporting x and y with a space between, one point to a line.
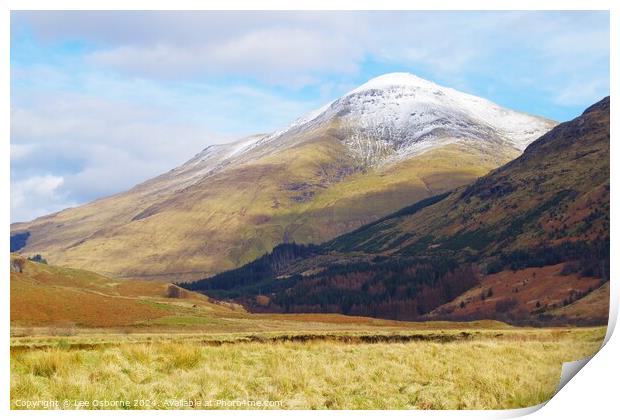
517 294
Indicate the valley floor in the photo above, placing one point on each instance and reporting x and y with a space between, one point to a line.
82 340
422 366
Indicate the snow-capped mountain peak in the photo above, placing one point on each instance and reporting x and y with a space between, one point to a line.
395 79
397 115
390 118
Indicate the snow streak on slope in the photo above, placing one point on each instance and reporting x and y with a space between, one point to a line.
212 159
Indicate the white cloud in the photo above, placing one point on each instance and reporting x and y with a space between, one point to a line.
296 49
290 49
36 196
579 93
275 55
99 146
284 48
21 151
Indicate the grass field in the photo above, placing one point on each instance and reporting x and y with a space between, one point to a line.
365 368
81 340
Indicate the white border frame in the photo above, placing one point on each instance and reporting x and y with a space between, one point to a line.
592 394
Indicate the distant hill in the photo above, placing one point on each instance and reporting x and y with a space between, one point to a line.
65 299
518 244
392 141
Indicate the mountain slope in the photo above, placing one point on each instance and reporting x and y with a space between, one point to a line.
63 299
547 208
393 141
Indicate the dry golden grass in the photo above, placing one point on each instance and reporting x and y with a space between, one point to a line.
487 369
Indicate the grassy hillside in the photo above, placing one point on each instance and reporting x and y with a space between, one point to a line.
63 300
308 192
549 207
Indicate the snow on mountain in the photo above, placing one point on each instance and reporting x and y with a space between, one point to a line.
390 118
400 114
208 161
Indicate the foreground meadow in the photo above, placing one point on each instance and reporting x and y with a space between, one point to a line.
428 369
82 340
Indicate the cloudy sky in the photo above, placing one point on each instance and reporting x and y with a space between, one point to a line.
101 101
